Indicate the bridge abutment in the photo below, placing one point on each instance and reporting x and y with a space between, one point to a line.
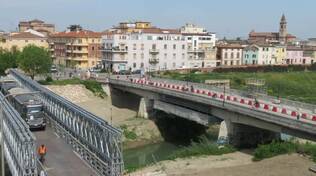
240 135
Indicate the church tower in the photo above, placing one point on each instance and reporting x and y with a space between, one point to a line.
283 29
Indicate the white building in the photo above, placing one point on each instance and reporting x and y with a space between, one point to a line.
200 46
149 49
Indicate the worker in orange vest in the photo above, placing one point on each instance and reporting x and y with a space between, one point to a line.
42 152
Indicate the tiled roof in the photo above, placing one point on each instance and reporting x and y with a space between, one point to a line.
230 46
77 34
24 35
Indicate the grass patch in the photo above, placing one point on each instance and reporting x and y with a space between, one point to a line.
298 86
129 134
92 85
203 147
279 148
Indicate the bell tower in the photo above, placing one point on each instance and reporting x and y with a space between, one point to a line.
283 29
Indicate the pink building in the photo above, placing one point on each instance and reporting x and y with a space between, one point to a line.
295 56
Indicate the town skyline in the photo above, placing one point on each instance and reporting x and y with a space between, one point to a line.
107 14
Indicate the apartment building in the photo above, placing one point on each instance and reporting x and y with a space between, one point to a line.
259 54
279 54
19 40
295 56
229 54
78 49
201 51
37 25
150 50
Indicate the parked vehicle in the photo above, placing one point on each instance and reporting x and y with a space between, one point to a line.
29 106
53 69
124 72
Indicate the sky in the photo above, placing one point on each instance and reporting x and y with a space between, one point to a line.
229 18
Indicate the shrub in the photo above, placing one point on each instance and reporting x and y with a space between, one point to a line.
273 149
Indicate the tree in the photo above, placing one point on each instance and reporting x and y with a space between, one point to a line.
7 60
35 60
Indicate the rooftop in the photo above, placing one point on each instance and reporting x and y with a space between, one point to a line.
77 34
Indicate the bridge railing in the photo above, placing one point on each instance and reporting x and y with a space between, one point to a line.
95 140
287 102
19 143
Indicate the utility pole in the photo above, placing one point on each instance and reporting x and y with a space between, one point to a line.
224 95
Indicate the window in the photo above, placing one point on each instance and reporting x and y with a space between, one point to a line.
26 41
225 55
134 46
183 47
231 62
142 65
254 56
142 56
79 41
237 62
142 46
183 56
134 65
238 55
92 40
225 63
232 55
195 43
134 56
174 55
174 46
150 37
165 55
174 65
153 46
165 46
92 48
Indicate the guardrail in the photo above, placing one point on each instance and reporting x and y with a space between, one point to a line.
19 143
95 140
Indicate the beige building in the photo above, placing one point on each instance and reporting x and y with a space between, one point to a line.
17 41
37 25
79 49
229 54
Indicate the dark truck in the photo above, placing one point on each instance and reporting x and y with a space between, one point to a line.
6 84
29 107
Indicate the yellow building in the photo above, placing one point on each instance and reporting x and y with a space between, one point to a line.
132 26
78 49
279 54
17 41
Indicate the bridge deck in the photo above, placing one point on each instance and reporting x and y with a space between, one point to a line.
60 158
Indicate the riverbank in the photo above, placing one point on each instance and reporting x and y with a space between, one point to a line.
233 164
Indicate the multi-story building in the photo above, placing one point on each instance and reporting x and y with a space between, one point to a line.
259 54
201 51
79 49
295 56
149 49
230 54
37 25
279 54
18 40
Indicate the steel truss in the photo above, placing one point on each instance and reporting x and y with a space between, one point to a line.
95 140
19 143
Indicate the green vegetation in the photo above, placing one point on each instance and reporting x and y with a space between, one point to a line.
34 60
297 86
203 147
278 148
91 85
8 59
129 134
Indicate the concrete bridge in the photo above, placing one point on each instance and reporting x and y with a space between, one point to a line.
244 121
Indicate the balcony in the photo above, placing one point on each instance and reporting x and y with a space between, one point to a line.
77 58
115 60
76 44
114 50
154 51
153 61
77 51
196 50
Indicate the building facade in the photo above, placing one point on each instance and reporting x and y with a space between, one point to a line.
279 54
19 40
150 49
295 56
78 49
230 54
201 51
37 25
258 55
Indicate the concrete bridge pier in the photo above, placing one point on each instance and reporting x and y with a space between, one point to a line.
146 107
244 136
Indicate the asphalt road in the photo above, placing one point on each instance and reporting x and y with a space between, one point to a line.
60 159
